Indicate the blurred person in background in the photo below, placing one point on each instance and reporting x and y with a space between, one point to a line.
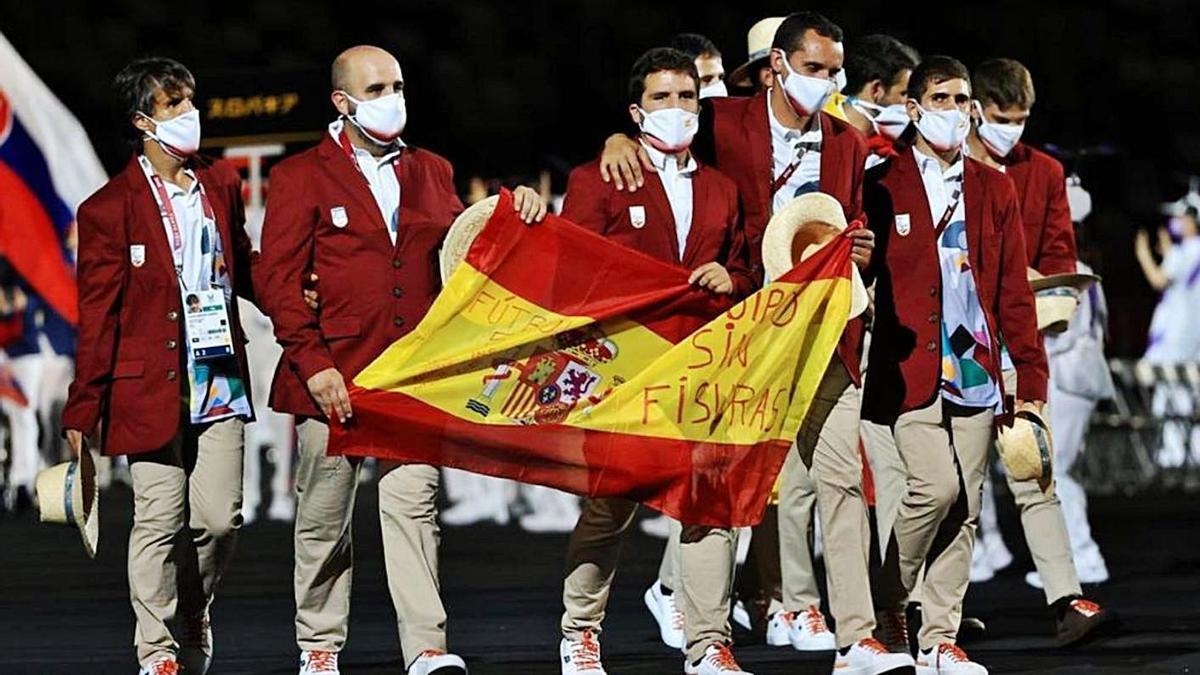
708 62
877 69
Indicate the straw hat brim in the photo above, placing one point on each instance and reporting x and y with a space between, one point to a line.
1027 447
1080 282
68 494
1054 312
462 234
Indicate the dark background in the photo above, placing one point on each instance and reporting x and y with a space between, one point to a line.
507 88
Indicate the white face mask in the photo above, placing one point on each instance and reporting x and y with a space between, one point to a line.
670 129
839 80
807 94
889 121
714 89
1000 139
380 119
178 136
943 129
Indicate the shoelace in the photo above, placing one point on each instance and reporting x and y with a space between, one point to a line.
432 653
166 667
1085 607
676 615
894 626
585 653
322 661
872 645
722 657
815 620
953 653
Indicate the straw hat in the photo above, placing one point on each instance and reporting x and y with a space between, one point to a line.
758 46
1027 447
1057 298
800 229
68 495
463 232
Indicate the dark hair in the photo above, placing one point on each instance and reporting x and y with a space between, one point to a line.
877 57
136 83
657 60
1004 82
790 35
694 45
935 70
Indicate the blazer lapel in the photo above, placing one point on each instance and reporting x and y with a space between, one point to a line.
338 165
758 135
148 227
662 217
216 197
832 163
703 205
974 212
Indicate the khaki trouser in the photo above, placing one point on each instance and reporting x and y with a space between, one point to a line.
592 554
797 499
707 557
828 441
187 506
325 490
944 448
668 570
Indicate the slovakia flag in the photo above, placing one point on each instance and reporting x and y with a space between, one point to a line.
47 167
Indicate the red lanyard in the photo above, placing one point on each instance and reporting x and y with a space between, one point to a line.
167 211
347 148
950 209
778 183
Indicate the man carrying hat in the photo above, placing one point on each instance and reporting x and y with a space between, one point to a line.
950 280
366 213
686 215
166 387
1004 97
777 145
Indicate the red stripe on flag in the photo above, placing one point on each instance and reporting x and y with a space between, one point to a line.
719 485
30 243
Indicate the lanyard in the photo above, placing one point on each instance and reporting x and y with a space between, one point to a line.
956 197
347 148
167 211
783 178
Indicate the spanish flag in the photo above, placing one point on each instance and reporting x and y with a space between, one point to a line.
556 357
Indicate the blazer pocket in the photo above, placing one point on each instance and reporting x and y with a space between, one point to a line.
345 327
128 369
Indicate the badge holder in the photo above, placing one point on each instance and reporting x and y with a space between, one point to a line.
206 320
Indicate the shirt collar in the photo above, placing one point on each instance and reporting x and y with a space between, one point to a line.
929 164
335 131
664 162
789 135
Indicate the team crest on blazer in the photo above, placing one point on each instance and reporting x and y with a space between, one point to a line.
903 224
338 215
137 255
637 216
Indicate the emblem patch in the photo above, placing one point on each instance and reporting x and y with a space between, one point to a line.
637 216
137 255
903 224
338 215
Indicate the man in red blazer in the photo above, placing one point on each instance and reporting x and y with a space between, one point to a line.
1004 97
950 280
776 145
166 387
367 214
687 215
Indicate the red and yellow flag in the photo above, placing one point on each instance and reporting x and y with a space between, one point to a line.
556 357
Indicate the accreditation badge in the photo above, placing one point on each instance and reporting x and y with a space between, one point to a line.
206 320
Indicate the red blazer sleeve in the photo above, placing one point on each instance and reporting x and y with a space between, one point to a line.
1058 254
586 200
737 262
288 237
1017 315
101 278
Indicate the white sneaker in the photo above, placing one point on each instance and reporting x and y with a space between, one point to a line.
947 659
319 663
1090 567
740 616
164 666
869 657
437 662
581 656
998 555
806 631
667 614
282 509
718 660
195 645
1034 579
659 526
981 568
474 511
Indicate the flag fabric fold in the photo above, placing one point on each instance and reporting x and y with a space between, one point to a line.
556 357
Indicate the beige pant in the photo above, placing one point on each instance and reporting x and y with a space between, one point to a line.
326 488
592 554
707 556
668 570
797 499
829 436
187 504
944 448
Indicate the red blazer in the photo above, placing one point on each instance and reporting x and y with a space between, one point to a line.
372 292
906 347
735 137
1042 190
130 372
716 234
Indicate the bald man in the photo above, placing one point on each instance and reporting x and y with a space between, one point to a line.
336 210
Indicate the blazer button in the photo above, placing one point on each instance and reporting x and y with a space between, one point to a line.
930 346
399 321
397 263
171 374
171 344
933 317
397 292
932 291
172 315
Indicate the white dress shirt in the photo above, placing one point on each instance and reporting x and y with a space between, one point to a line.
381 178
807 176
677 181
